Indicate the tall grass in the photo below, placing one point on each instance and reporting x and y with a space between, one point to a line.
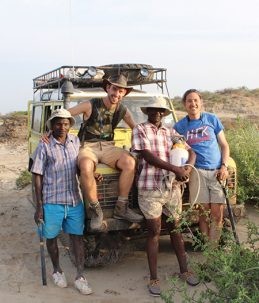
244 148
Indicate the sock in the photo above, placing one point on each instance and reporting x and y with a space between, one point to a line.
94 203
123 199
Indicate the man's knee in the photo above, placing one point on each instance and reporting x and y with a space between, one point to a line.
127 162
217 213
51 243
76 238
86 165
204 210
154 227
216 217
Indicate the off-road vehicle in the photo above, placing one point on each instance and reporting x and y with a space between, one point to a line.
65 87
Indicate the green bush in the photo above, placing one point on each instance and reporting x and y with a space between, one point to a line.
229 274
24 179
244 148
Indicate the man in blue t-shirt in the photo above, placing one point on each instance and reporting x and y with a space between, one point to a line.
204 133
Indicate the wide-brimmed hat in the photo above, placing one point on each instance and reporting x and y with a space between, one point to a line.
157 102
60 113
117 80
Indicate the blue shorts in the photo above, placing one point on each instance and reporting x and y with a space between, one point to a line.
59 217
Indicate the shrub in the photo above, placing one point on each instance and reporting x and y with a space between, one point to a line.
24 179
233 272
244 147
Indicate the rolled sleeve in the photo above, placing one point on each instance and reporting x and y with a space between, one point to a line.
139 139
39 160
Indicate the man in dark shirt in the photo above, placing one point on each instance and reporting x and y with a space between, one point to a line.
101 116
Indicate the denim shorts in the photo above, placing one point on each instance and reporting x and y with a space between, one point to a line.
59 217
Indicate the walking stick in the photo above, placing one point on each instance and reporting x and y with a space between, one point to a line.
230 212
42 255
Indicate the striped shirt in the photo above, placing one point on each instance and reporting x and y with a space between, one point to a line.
57 163
146 136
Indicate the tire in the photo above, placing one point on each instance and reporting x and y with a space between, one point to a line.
130 70
100 250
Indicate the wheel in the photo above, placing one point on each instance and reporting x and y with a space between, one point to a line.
131 70
100 249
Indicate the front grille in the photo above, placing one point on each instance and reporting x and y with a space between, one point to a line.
232 185
107 191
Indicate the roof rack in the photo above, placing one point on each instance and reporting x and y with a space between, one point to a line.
92 76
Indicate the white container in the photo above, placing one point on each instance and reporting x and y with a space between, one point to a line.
178 156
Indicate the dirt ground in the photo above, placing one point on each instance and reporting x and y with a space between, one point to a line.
20 278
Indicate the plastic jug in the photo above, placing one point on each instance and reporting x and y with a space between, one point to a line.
178 154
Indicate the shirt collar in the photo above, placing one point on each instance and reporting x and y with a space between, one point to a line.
69 139
151 125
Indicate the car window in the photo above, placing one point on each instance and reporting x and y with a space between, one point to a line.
36 118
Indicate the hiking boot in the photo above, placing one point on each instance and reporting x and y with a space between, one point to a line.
190 278
59 279
154 288
82 286
123 212
96 223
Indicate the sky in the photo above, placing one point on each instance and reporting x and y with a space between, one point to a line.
203 44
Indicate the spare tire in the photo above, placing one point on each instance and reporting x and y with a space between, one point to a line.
131 71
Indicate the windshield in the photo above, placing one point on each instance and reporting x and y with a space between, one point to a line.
135 103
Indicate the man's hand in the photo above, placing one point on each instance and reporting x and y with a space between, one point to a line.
182 174
38 216
45 137
188 168
222 173
98 177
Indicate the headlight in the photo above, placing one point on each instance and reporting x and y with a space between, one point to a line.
92 71
144 72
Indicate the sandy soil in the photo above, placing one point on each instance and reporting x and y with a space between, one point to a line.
20 279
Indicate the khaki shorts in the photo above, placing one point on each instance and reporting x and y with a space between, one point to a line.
154 202
210 188
104 152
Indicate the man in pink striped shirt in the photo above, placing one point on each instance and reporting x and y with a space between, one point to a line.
152 142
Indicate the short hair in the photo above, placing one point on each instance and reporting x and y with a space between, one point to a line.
189 91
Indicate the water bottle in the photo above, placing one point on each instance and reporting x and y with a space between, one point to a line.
178 154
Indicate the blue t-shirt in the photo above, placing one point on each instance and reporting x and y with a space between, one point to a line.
201 135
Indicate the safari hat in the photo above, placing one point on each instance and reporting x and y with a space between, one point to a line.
157 103
117 80
60 113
